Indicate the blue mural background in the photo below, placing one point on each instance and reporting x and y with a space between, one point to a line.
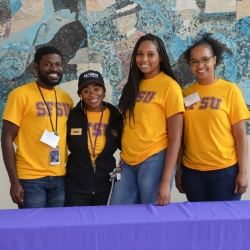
108 32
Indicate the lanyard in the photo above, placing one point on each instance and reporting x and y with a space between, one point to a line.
90 139
54 130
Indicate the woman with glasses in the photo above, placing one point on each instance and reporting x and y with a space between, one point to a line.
212 164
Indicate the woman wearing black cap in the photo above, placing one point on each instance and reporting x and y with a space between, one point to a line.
93 135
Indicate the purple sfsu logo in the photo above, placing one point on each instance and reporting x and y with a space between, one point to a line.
87 75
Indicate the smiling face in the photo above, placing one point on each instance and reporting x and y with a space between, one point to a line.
148 59
202 63
49 71
92 94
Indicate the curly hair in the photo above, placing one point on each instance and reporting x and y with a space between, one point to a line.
131 88
46 50
215 46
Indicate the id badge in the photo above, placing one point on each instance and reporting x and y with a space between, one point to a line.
50 138
54 156
191 99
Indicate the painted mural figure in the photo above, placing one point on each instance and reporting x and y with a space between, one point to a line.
152 110
213 160
5 29
125 20
93 135
35 119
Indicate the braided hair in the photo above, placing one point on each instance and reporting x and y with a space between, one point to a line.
131 88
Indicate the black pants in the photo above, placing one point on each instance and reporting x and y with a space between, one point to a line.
77 199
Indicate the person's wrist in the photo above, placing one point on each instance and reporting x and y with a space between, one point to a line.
14 181
242 173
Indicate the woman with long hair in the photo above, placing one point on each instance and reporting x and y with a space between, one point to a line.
152 108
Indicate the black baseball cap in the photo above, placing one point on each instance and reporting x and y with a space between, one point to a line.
90 76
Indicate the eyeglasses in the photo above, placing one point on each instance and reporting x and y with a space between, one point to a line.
204 60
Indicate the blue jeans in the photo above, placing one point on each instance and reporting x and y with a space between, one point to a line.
216 185
139 184
48 191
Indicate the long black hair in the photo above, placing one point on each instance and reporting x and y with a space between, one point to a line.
131 88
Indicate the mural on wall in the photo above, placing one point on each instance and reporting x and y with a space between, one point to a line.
29 24
100 35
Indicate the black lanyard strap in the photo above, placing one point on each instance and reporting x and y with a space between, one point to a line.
54 130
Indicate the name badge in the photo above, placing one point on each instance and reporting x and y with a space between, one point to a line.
50 139
191 99
76 131
54 155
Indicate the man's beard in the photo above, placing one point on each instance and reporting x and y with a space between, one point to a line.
43 78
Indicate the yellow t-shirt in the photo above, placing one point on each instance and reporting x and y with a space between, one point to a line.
208 139
93 123
159 98
25 108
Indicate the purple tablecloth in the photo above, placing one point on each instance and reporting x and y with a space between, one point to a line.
201 226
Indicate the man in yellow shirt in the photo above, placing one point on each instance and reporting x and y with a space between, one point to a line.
35 119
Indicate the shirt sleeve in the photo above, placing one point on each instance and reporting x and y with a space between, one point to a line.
238 108
174 100
14 109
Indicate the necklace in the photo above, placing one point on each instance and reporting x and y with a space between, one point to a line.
93 145
53 128
49 98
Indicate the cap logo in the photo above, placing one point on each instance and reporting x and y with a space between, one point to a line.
87 75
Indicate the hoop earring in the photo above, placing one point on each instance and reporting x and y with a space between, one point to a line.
80 100
81 103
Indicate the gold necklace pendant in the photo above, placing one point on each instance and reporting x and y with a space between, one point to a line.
49 98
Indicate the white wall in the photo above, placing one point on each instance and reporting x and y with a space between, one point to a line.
5 200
